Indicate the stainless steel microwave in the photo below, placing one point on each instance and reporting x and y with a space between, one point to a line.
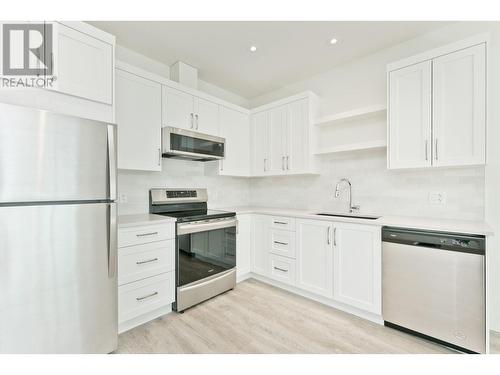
186 144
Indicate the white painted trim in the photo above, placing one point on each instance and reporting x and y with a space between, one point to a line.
246 276
440 51
325 301
141 319
90 30
355 114
175 85
287 100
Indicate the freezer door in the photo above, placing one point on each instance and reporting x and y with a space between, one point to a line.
50 157
58 283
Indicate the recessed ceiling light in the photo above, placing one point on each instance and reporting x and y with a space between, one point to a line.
333 41
253 48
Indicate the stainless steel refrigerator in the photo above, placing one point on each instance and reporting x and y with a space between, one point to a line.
58 288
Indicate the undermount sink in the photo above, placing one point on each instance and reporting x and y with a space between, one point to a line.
355 216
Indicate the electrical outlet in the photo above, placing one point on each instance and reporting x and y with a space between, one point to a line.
123 198
438 198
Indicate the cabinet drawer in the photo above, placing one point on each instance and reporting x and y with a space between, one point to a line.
143 296
283 243
282 269
142 261
281 222
145 234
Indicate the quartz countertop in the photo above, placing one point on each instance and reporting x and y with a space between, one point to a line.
127 221
424 223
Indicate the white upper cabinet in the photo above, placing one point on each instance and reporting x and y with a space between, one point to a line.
282 137
459 107
83 65
138 115
357 266
206 116
235 128
178 109
410 116
260 143
437 107
315 256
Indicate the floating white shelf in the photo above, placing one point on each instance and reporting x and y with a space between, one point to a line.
355 114
353 147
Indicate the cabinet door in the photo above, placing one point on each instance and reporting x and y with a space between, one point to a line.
138 115
244 245
260 244
177 109
84 65
260 143
315 257
206 117
297 137
459 107
277 140
235 128
409 143
357 266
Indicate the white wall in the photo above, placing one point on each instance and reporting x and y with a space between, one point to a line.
472 192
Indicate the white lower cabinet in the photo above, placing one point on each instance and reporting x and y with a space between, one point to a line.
260 244
334 260
282 269
357 266
146 273
315 256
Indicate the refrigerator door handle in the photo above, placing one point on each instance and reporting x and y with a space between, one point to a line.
111 162
112 240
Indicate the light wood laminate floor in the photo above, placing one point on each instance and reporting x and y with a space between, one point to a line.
259 318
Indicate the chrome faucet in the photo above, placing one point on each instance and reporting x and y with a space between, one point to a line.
352 208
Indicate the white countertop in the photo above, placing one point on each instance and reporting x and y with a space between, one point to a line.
443 225
127 221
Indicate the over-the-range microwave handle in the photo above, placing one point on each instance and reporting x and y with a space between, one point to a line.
187 228
111 162
112 240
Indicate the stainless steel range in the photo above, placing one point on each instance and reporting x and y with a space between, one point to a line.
205 244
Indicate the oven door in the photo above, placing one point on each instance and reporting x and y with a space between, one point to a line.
205 248
186 144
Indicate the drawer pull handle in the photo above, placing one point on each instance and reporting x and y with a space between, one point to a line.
146 261
147 234
280 269
148 296
280 222
280 243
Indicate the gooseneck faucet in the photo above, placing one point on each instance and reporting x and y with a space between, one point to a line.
352 208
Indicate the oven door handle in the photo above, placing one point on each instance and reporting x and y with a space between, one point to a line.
187 228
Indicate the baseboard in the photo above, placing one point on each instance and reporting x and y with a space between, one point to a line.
141 319
240 278
325 301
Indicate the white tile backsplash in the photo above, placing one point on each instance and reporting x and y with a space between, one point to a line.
375 188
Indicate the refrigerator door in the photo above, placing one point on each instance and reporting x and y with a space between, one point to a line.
51 157
58 282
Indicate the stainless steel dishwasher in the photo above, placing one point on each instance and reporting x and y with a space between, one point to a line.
433 285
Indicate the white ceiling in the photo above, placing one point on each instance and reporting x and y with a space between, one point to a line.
287 51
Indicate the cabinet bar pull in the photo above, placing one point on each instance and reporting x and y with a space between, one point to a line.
283 163
196 116
426 149
147 234
288 162
265 160
148 296
146 261
335 236
328 236
280 243
159 156
280 222
436 149
280 269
